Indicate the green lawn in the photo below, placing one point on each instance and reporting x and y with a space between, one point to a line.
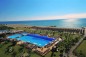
2 49
16 49
47 55
82 48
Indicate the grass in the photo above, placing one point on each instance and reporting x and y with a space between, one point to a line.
82 48
16 48
2 49
47 55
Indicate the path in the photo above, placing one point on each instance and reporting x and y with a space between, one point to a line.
70 54
74 47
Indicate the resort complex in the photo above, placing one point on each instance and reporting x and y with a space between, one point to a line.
40 41
42 28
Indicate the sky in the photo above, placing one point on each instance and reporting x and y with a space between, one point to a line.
19 10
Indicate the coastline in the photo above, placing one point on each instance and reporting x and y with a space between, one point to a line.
72 30
23 25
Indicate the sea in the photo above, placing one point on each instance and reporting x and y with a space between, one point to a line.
61 23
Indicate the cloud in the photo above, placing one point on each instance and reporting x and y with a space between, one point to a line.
68 16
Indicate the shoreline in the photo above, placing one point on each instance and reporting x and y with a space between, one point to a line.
23 25
81 30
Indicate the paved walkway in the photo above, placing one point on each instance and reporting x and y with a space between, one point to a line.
70 54
74 47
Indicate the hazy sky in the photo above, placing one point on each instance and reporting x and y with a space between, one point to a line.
41 9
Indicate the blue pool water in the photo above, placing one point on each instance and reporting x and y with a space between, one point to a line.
15 36
34 39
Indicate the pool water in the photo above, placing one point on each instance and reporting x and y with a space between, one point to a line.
34 39
15 36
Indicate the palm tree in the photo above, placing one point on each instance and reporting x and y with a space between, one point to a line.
14 54
3 35
52 54
76 39
3 27
14 43
21 49
81 54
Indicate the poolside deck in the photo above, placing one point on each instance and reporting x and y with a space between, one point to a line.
44 50
41 50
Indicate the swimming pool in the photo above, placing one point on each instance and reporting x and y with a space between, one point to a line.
35 39
15 36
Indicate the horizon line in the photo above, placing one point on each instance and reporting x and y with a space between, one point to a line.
37 20
67 16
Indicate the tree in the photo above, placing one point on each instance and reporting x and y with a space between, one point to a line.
3 27
3 35
81 54
21 49
76 39
14 43
52 54
61 55
14 54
